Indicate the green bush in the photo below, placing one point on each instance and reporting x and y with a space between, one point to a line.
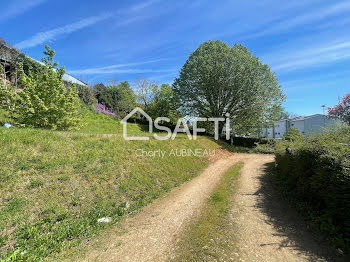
315 172
86 95
265 148
44 101
293 134
6 95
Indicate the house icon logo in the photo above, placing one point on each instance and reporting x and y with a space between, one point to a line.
124 122
181 127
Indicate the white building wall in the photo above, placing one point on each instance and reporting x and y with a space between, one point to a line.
280 129
305 125
298 124
277 131
318 123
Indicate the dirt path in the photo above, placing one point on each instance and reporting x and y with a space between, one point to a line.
150 234
268 228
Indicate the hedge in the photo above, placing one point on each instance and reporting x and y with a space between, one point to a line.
316 173
249 142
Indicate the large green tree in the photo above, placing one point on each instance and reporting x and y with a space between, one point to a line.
164 103
102 94
118 97
218 79
124 98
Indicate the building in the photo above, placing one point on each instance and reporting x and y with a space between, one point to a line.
8 57
306 125
279 130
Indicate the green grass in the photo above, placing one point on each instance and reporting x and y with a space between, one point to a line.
54 187
93 123
211 237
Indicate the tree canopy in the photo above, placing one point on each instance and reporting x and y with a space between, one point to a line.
118 97
164 103
218 79
342 110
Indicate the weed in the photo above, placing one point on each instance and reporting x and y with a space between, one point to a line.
35 183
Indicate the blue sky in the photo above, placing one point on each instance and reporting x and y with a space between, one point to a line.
306 43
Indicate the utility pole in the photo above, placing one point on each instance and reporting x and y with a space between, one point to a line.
324 116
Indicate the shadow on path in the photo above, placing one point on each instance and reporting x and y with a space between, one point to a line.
289 224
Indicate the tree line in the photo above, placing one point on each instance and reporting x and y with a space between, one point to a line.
120 98
216 81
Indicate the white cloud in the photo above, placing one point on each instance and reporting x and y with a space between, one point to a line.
141 6
116 69
311 57
304 19
100 71
51 35
18 7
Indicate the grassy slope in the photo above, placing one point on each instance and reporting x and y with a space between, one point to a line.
211 237
53 188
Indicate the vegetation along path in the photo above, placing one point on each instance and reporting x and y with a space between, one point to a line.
266 229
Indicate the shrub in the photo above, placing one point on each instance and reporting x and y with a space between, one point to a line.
315 172
104 110
44 101
6 95
265 148
293 135
249 142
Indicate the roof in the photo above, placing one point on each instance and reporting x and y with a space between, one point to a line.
73 80
301 118
8 52
66 77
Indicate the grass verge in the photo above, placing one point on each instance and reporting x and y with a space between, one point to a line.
211 237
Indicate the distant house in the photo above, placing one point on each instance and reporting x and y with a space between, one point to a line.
8 57
306 125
